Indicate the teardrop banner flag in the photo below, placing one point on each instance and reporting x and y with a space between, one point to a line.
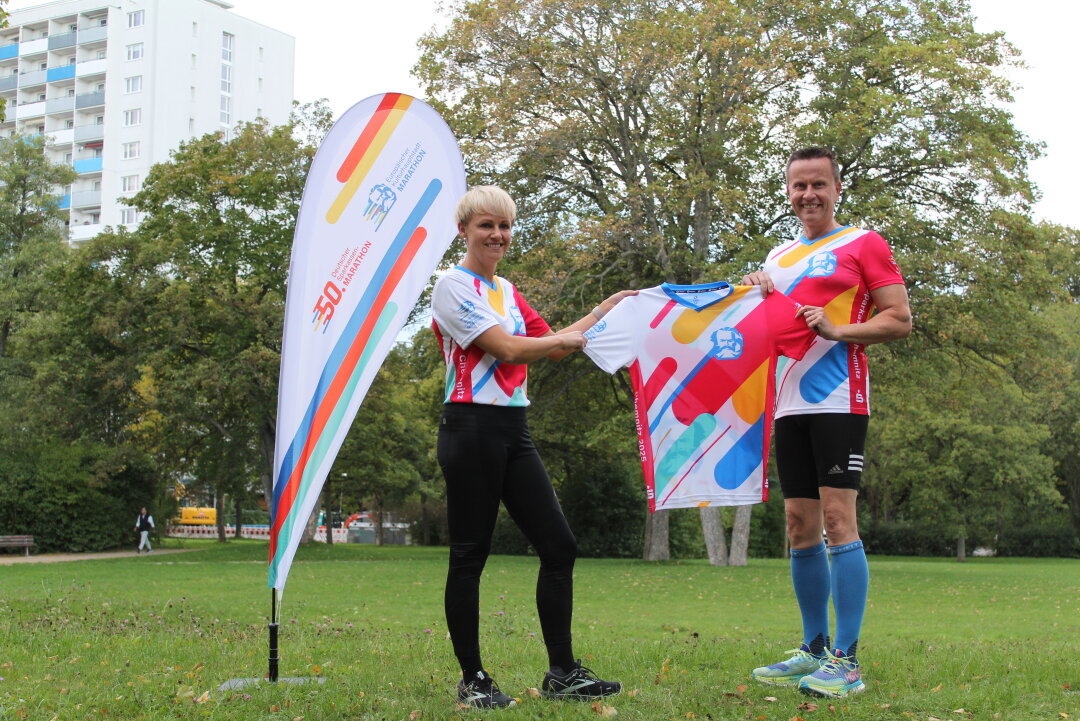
376 217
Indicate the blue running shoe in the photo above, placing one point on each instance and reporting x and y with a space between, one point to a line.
838 677
788 673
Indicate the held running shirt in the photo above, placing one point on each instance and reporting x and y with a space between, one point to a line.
702 362
464 305
836 272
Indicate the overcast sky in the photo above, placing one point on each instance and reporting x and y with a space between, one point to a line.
348 51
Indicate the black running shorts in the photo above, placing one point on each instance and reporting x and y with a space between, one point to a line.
820 449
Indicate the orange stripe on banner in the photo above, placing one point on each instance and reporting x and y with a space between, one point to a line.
362 143
348 365
367 156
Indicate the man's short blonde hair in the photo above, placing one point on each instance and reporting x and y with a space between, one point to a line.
485 199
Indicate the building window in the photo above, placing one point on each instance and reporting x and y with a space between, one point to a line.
133 84
130 150
101 54
226 110
69 123
99 120
97 151
71 60
132 117
129 183
135 51
227 41
226 78
137 19
67 158
128 216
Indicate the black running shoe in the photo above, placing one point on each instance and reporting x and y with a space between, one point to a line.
579 683
481 692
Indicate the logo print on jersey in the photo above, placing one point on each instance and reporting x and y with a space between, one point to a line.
727 344
519 322
822 265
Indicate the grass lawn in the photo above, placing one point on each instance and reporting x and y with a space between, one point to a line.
153 637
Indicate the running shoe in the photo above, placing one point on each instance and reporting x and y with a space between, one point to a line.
838 677
481 692
789 672
578 683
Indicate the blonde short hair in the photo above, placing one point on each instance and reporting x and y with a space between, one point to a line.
485 199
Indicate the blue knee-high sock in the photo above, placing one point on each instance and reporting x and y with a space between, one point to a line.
810 576
850 582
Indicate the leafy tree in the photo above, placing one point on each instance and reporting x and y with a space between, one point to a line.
206 269
646 142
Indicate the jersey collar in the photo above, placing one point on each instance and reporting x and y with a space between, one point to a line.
806 241
715 292
480 278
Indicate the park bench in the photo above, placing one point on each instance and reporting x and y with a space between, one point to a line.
17 542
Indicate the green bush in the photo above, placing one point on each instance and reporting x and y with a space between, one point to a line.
1053 537
908 539
71 497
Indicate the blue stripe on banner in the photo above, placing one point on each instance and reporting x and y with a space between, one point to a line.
348 335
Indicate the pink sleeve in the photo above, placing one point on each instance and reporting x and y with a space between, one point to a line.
535 326
792 336
879 268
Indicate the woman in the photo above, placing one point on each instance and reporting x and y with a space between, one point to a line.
488 333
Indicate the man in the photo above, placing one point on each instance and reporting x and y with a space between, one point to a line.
841 275
144 524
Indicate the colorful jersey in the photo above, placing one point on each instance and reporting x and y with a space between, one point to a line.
464 305
702 362
836 272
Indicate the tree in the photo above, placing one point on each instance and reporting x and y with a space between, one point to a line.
207 266
646 142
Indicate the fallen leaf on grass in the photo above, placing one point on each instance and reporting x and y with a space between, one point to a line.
1062 714
885 705
605 711
274 708
960 711
1066 687
935 689
771 699
932 718
203 697
413 715
198 667
532 692
633 693
832 708
807 706
796 718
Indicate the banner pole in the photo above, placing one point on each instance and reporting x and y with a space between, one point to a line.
273 675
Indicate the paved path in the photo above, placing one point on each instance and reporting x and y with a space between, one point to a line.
8 559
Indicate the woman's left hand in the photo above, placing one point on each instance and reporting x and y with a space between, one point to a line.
611 301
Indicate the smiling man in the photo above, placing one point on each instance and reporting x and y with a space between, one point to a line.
852 295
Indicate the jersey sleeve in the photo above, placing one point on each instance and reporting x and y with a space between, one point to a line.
459 312
535 325
792 336
878 264
611 340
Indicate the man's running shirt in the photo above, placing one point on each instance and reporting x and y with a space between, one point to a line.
464 305
702 362
836 272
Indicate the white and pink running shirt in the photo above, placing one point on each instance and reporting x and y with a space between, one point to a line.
836 272
702 362
464 305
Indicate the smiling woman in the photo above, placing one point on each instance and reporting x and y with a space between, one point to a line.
488 333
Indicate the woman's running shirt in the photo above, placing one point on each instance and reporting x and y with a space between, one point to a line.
702 362
836 272
464 305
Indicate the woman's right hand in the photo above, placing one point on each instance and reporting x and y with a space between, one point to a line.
761 279
571 340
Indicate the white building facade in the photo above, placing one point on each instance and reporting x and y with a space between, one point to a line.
117 86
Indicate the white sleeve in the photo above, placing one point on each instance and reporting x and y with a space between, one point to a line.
611 340
151 520
460 313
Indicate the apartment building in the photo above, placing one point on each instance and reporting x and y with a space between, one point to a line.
116 86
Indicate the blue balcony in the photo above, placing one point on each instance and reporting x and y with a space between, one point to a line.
65 202
62 73
9 51
88 165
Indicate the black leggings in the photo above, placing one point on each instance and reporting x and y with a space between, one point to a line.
487 456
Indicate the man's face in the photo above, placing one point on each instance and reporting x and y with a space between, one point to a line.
813 191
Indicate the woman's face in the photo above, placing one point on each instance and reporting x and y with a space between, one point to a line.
487 236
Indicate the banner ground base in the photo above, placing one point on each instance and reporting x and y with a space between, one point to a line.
235 683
